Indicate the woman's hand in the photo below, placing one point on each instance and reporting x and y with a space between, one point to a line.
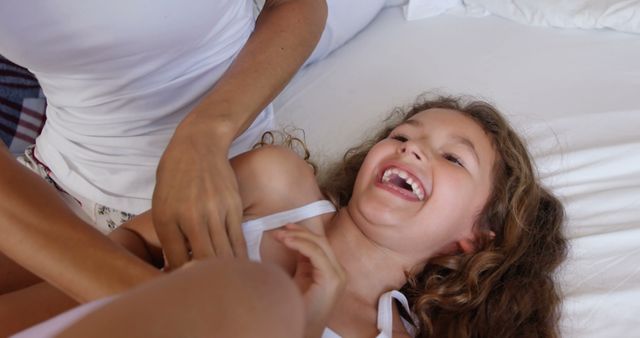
318 274
196 205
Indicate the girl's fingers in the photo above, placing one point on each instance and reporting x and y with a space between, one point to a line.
314 247
311 250
300 231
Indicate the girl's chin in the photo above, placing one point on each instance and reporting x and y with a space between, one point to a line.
381 213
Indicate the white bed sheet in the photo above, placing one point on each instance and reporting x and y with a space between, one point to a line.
574 94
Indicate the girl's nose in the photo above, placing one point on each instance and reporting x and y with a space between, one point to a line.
409 148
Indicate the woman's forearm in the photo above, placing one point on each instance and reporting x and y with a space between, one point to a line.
286 33
196 192
42 234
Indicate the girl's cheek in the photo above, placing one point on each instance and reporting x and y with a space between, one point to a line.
453 185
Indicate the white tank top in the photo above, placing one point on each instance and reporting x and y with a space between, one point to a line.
118 77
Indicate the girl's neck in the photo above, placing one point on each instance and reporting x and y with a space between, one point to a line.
371 269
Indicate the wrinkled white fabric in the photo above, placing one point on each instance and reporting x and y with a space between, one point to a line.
622 15
419 9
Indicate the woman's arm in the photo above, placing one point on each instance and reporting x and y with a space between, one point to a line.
77 258
85 264
196 192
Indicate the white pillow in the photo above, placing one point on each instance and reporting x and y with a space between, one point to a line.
622 15
345 19
418 9
392 3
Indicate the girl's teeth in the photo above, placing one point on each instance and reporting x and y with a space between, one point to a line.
415 187
386 176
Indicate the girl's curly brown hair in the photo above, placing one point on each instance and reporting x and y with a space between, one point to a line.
505 288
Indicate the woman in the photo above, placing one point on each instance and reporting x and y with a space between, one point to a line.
443 205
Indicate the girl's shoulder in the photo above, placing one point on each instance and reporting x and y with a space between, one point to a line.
274 178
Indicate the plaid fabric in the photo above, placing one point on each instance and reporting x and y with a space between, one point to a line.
22 107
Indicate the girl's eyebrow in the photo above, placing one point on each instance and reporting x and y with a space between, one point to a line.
415 123
456 138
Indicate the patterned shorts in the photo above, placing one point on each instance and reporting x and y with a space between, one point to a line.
101 217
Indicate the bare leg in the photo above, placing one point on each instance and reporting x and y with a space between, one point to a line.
29 306
216 298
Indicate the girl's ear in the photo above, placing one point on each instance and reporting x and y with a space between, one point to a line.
468 244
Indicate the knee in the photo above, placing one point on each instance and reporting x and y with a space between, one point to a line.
281 299
264 294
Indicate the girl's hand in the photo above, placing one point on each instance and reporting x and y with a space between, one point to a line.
318 274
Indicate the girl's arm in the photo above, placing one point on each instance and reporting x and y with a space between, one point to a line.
138 236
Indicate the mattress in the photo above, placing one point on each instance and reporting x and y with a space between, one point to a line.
573 94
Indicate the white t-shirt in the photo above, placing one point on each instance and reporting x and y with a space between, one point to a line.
118 77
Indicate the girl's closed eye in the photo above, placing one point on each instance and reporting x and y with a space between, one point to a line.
453 159
399 137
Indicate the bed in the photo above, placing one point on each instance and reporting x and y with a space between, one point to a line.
567 77
572 90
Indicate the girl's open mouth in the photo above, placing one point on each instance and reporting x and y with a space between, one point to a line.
403 182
